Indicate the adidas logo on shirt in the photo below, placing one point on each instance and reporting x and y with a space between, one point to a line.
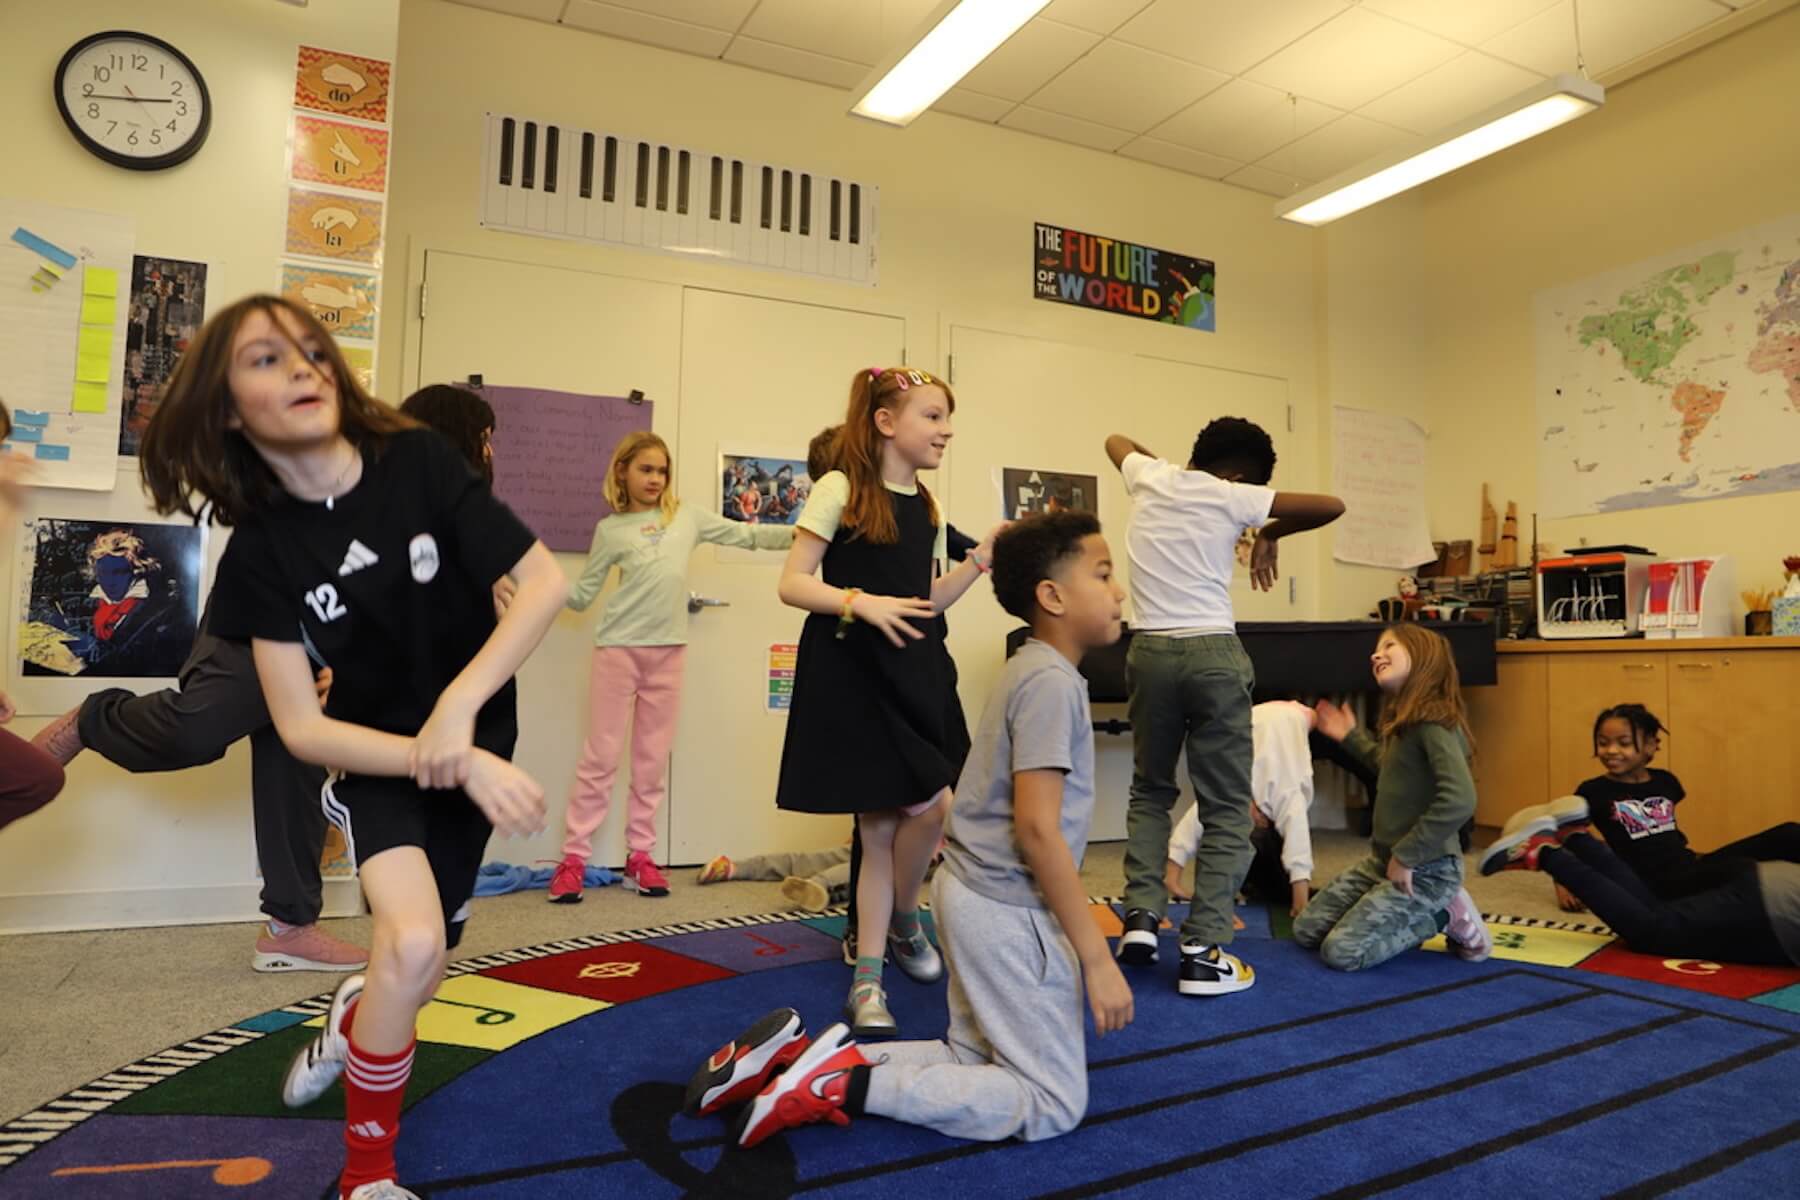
356 558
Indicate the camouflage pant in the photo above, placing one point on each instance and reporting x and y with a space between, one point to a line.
1361 919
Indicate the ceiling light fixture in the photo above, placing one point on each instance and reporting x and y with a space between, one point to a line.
1554 102
948 44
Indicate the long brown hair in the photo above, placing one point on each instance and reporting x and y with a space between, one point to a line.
190 458
869 513
1432 693
629 447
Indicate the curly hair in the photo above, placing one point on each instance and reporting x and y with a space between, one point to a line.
1032 550
1646 726
1232 444
460 415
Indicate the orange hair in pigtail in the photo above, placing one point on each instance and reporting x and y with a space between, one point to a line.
869 514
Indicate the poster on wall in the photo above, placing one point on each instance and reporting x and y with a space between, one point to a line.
551 451
166 309
334 225
341 154
108 599
1026 491
1119 276
346 84
762 489
1378 467
783 656
344 301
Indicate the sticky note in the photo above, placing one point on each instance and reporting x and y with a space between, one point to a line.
92 368
49 250
48 453
100 281
99 310
27 433
90 397
95 341
25 416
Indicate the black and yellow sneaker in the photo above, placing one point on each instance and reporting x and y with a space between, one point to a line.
1210 971
1137 944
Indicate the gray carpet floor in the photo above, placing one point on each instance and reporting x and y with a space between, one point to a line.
74 1006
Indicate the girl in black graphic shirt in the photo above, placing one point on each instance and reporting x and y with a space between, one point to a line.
366 544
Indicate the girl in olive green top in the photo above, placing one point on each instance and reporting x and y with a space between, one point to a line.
1410 886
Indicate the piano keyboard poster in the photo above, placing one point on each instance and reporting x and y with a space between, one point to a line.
337 197
1117 276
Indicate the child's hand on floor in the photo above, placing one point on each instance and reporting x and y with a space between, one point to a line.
1400 875
1109 996
1567 901
1301 896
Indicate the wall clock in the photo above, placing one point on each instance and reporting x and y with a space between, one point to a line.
133 100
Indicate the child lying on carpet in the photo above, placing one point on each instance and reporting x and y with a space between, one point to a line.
1009 904
1410 886
811 879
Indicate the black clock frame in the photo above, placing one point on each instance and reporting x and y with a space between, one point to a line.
133 162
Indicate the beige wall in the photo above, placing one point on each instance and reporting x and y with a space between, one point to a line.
118 849
1698 148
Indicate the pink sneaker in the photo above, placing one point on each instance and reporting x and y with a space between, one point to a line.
642 876
61 738
306 948
1467 933
565 885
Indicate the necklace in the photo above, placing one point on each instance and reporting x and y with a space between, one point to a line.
331 499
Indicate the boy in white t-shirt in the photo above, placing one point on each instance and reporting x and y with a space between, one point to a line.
1190 679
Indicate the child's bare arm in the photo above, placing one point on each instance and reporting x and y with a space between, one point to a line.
1118 446
1037 822
1296 512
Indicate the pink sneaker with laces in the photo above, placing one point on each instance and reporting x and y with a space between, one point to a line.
306 948
565 885
643 877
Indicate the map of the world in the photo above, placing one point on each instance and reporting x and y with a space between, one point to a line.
1673 379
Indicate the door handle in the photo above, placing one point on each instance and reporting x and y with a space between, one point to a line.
696 602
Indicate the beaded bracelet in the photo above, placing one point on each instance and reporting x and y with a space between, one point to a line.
845 617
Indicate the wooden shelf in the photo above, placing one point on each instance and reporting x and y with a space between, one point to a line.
1644 645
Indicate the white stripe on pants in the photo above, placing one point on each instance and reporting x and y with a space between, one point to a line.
1015 1062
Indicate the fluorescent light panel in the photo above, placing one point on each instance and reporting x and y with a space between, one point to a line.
949 44
1552 103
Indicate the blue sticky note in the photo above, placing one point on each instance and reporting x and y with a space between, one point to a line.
27 433
49 250
26 417
48 453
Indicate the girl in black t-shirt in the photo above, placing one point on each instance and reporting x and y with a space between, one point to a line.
366 544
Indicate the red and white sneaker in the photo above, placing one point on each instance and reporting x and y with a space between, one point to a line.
643 877
743 1067
1517 848
565 884
1467 933
812 1090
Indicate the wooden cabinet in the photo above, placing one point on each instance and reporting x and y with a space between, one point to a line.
1732 707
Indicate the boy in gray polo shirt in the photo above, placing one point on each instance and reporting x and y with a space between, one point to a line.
1010 909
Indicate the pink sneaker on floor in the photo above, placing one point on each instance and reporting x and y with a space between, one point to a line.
565 885
61 738
306 948
1467 933
643 877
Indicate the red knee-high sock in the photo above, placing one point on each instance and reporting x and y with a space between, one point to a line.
374 1085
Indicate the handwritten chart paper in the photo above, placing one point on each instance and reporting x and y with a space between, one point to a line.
551 450
1379 472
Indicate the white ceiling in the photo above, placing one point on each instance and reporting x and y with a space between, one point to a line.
1271 95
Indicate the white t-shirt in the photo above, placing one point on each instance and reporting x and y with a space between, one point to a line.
824 511
1182 543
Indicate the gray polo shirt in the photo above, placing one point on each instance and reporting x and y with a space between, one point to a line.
1037 719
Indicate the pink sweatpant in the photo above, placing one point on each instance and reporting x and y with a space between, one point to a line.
639 686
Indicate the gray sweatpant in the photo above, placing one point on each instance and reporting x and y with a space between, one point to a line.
1014 1063
830 867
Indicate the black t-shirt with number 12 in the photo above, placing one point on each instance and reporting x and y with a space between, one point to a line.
389 587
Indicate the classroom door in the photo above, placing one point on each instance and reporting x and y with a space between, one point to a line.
758 377
522 325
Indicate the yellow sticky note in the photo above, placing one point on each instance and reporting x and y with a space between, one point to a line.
93 368
90 397
100 281
99 310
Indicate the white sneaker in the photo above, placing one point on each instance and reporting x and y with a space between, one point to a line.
1210 971
1467 933
317 1067
383 1189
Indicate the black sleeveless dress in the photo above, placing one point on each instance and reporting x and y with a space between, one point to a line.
873 727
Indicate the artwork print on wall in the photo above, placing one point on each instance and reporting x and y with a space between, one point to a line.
167 308
1026 492
762 489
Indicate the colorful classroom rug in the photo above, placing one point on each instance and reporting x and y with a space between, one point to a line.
1564 1066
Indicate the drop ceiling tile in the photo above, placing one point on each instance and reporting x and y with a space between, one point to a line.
714 14
1029 59
1095 16
644 27
1470 22
1243 120
964 103
1613 32
537 10
801 64
1065 129
1338 146
1457 90
1545 44
1261 179
860 31
1227 35
1179 158
1353 59
1126 87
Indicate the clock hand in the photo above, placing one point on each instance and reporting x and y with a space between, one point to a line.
139 99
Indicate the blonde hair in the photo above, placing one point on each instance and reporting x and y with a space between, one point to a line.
629 447
121 542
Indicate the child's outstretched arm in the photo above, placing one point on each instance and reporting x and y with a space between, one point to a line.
600 559
1037 823
716 529
802 588
1293 512
1118 446
949 587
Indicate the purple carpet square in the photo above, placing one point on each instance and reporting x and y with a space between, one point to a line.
755 947
112 1158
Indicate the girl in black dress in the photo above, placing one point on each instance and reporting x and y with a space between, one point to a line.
875 727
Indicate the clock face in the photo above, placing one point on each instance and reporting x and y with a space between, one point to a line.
133 100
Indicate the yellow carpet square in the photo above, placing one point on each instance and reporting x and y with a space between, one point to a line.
491 1014
1541 947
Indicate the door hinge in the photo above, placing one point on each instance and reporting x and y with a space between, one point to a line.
1290 409
1293 589
421 299
950 367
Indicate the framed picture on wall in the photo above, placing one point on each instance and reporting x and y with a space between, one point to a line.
762 489
1026 491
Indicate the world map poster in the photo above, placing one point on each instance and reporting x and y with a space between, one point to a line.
1674 379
